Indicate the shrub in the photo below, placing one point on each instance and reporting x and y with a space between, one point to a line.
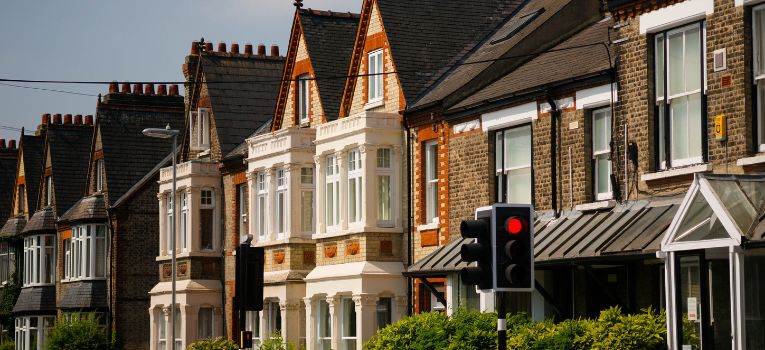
276 342
425 331
82 332
219 343
8 345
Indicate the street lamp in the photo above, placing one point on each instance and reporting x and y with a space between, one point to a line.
165 134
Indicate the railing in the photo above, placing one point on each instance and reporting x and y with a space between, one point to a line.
191 167
364 120
281 141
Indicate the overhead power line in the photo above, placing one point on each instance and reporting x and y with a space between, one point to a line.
51 90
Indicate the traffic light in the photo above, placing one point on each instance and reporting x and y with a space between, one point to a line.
479 251
245 340
249 277
513 248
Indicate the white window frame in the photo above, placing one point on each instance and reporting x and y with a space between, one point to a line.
36 250
99 175
323 335
24 329
84 243
169 222
281 204
430 149
348 308
161 324
242 205
273 319
261 206
604 154
68 259
7 262
184 221
307 187
385 161
252 324
49 190
303 99
375 88
663 99
503 171
332 180
208 205
203 128
355 185
758 72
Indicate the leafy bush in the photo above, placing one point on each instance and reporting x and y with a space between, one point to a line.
219 343
8 345
471 330
276 342
80 332
10 293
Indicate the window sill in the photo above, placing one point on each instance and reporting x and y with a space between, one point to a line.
356 230
281 241
374 104
676 172
604 204
427 227
207 253
71 280
759 159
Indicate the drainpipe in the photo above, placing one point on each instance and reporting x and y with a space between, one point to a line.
409 291
554 113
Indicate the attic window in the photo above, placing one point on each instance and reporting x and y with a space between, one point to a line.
200 128
303 102
515 26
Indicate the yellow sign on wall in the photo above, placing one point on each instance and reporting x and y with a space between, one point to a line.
721 128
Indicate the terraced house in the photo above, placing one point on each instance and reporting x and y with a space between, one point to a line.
9 155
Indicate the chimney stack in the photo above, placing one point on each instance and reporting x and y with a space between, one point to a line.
137 89
88 119
248 49
78 119
12 144
2 143
57 118
274 50
222 47
235 48
261 50
195 48
148 89
125 88
161 89
173 90
208 47
67 119
45 119
113 87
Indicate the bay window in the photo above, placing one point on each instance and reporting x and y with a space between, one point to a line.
260 206
324 327
32 332
7 262
431 181
281 203
86 252
205 323
274 319
375 77
303 99
306 199
184 221
348 324
679 81
161 324
758 62
241 192
384 187
601 153
354 186
169 221
39 260
332 193
512 155
206 219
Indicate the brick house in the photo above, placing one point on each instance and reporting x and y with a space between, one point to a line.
64 160
9 156
106 242
220 115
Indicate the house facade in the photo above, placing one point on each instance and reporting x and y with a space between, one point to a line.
9 155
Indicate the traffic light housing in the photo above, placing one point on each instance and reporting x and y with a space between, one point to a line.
513 238
245 340
479 251
249 277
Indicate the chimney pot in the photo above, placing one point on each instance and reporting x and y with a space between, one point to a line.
12 144
57 118
261 50
248 49
221 47
67 119
78 119
137 89
113 87
274 50
125 88
235 48
161 89
88 119
208 47
2 143
173 90
148 89
195 48
45 119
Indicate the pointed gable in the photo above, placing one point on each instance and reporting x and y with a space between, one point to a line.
67 153
30 170
8 161
321 43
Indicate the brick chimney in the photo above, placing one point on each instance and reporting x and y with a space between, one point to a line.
12 144
88 119
274 50
78 119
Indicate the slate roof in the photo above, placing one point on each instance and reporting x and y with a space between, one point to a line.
13 226
32 148
83 295
36 300
128 154
69 147
552 67
243 93
241 149
426 36
8 162
90 208
42 220
329 38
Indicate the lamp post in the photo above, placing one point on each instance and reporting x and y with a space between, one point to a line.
165 134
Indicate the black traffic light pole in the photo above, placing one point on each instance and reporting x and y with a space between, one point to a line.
501 321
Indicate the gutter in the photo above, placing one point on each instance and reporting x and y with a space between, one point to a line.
554 156
410 241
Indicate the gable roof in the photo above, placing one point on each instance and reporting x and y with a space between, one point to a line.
552 67
426 36
128 154
537 27
243 90
8 161
329 37
32 148
69 147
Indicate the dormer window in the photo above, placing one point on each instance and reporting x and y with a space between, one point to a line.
375 78
99 175
22 203
303 99
200 128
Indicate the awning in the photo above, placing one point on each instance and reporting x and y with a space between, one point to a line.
633 229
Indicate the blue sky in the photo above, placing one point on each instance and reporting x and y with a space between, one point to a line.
136 40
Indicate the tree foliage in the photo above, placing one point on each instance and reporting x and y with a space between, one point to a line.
79 332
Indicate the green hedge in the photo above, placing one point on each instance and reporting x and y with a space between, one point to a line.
79 332
470 330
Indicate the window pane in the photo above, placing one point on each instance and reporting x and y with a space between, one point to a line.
349 318
281 212
498 150
330 205
306 211
693 59
206 228
306 176
679 133
383 312
519 186
676 73
383 197
659 64
518 147
100 257
204 323
352 200
383 158
603 169
694 125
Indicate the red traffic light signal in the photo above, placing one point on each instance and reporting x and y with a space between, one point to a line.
515 224
245 340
